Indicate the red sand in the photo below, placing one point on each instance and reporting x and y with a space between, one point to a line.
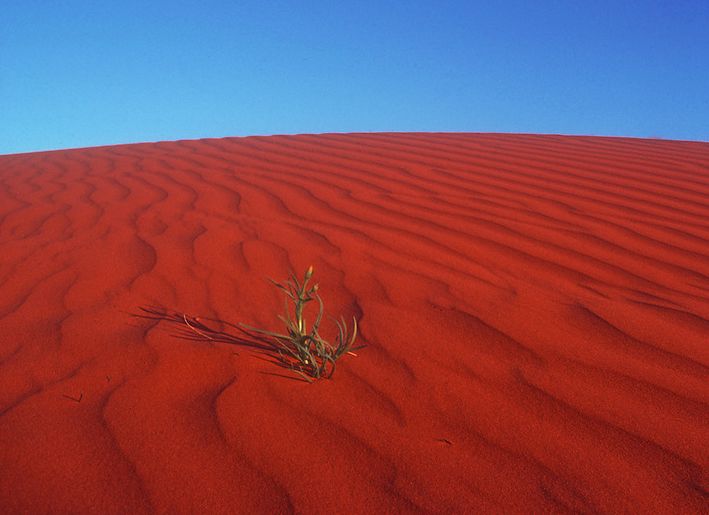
536 310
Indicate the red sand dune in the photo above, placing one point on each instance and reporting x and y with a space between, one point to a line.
536 310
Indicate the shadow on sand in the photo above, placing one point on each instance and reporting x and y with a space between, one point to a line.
214 330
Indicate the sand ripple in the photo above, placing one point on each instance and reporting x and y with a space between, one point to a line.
536 310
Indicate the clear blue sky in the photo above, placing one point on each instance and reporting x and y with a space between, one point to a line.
77 73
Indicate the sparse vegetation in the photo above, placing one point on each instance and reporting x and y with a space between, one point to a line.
303 349
300 349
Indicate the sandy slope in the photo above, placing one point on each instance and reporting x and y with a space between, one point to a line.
536 310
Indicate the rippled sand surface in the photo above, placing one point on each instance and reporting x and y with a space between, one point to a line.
535 309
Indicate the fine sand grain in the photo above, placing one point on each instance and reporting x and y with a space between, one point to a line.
535 309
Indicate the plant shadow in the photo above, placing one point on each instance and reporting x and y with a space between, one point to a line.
201 329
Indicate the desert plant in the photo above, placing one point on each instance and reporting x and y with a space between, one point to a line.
303 349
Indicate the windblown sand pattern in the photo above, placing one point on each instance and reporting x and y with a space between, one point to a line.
536 310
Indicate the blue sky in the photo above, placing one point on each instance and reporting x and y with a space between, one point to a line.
79 73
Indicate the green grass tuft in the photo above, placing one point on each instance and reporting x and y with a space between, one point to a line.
303 349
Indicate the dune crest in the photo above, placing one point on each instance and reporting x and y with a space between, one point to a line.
535 309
